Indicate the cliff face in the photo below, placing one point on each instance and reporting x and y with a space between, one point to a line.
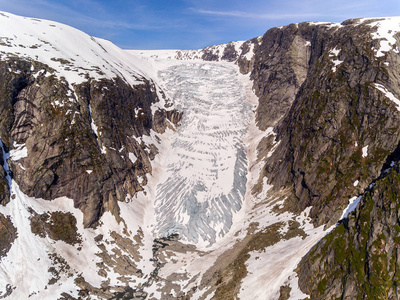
336 119
341 125
280 67
83 143
359 259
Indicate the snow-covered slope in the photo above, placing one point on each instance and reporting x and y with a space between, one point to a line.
231 52
70 52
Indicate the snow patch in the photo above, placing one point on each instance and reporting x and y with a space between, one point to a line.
250 54
335 53
365 151
92 124
30 253
20 151
386 30
274 266
388 95
353 202
132 157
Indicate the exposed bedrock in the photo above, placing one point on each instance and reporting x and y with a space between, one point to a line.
83 141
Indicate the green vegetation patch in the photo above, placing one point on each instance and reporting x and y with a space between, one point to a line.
362 252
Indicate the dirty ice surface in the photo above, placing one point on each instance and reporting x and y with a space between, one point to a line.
204 177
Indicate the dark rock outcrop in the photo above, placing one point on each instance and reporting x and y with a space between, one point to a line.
336 112
280 67
359 259
8 233
59 125
4 188
248 50
57 225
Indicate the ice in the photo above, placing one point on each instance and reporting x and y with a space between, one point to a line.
205 174
6 167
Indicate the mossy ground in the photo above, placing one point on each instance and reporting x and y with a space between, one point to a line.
361 252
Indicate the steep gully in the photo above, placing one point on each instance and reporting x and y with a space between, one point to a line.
200 175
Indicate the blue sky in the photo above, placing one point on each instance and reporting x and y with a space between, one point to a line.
189 24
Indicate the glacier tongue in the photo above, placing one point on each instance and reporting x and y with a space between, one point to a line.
204 175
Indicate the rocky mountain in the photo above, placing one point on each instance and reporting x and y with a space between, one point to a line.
263 169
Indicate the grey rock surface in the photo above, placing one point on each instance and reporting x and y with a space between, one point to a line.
66 157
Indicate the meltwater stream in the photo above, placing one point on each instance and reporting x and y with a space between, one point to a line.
204 178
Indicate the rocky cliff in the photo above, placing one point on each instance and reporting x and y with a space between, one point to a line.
82 143
359 259
338 124
83 137
338 135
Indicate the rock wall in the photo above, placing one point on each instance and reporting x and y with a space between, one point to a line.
280 67
359 259
83 141
340 128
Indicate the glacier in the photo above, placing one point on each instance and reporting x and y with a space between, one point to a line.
204 176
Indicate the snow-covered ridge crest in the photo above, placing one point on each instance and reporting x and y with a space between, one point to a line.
386 29
72 53
231 51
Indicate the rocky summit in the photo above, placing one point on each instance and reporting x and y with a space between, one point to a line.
261 169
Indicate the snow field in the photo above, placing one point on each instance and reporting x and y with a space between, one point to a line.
70 52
